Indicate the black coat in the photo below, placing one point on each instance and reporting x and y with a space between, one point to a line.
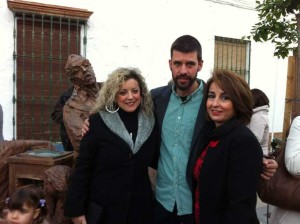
229 175
108 173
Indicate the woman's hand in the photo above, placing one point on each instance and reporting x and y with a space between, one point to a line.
269 168
79 220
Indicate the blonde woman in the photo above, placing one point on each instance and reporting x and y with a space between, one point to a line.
110 182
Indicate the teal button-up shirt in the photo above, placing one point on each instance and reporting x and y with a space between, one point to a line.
177 133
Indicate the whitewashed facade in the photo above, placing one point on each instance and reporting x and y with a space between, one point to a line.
139 33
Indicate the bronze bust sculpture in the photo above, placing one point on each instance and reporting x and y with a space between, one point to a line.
80 104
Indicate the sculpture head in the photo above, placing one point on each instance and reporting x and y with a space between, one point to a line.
80 70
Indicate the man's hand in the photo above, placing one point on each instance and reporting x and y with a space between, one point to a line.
85 127
269 168
79 220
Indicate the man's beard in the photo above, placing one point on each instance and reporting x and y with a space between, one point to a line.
185 86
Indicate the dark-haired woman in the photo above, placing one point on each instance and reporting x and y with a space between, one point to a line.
259 123
229 161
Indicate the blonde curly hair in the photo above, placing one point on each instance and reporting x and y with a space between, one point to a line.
110 89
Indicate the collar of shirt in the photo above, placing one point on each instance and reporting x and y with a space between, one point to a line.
199 90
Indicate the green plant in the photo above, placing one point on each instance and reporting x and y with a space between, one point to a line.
278 24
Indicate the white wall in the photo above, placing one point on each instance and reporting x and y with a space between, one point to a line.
139 33
6 68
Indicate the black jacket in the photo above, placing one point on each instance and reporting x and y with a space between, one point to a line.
109 174
57 116
161 97
229 175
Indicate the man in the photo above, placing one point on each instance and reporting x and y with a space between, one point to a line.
179 113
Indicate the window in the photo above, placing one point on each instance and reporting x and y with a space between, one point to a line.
234 55
43 43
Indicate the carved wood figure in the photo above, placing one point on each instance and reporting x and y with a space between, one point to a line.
55 187
80 104
75 111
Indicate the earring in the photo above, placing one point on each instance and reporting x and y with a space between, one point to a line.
111 111
74 92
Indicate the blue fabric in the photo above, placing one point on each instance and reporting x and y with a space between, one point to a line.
59 146
177 133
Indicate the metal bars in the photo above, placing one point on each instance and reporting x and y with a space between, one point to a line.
233 54
42 46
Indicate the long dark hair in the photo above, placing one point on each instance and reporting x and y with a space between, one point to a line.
260 98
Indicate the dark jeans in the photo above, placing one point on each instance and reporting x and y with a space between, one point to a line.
163 216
